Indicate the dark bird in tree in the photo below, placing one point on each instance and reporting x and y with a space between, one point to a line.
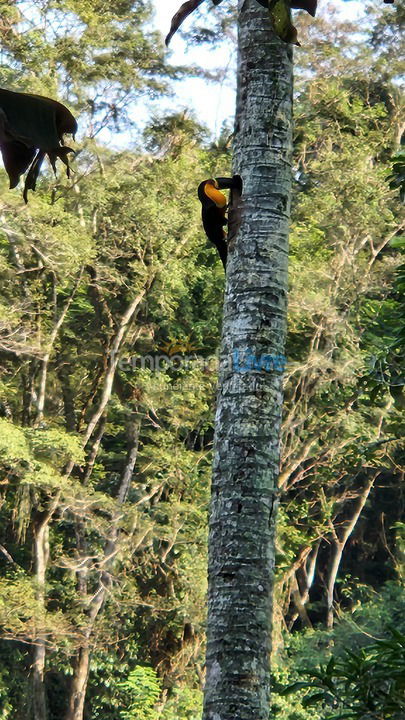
32 126
280 12
214 207
308 5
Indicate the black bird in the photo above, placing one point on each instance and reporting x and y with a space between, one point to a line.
214 207
31 127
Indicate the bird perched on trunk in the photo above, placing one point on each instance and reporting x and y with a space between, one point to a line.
280 13
214 208
32 126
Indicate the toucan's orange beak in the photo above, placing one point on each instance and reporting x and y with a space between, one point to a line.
211 191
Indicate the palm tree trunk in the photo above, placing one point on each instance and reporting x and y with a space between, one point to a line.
246 453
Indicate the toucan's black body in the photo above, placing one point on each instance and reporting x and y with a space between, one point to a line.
214 221
308 5
214 207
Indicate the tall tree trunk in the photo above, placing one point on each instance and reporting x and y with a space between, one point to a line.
77 694
41 555
246 459
41 560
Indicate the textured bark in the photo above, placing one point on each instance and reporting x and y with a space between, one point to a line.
246 460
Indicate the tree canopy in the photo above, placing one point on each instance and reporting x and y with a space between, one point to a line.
110 315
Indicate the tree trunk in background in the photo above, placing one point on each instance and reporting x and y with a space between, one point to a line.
41 555
338 542
77 694
246 460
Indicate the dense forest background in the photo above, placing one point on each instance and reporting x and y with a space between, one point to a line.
104 460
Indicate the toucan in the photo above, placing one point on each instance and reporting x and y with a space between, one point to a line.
214 207
280 11
32 126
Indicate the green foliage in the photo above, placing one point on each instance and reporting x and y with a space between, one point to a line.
303 652
5 706
291 706
366 684
56 446
144 690
22 614
128 227
397 178
184 703
13 443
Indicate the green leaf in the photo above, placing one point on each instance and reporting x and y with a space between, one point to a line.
398 242
313 699
294 688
